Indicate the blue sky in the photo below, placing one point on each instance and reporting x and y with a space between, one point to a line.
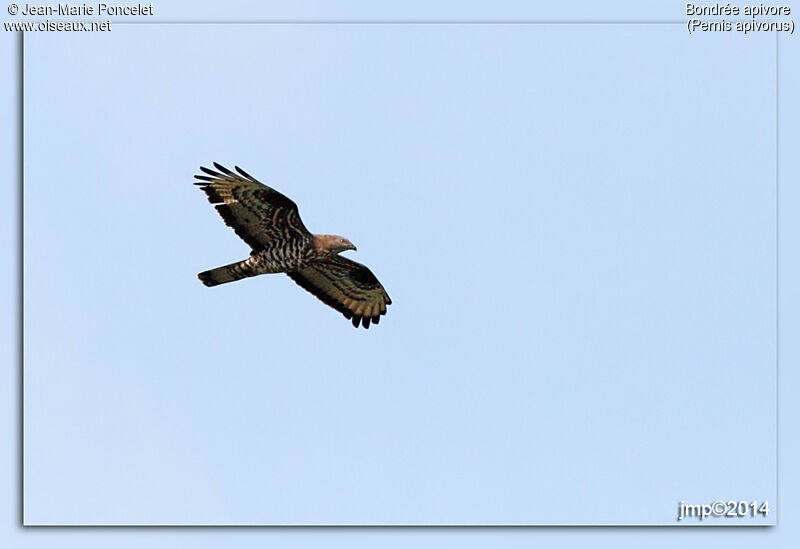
595 371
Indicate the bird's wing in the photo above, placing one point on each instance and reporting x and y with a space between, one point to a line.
347 286
259 214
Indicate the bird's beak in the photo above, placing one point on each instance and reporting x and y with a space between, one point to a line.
353 247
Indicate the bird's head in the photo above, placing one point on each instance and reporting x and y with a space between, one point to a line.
333 243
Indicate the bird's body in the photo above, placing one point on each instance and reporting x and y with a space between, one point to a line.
270 223
290 256
282 257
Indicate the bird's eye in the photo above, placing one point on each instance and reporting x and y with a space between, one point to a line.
342 241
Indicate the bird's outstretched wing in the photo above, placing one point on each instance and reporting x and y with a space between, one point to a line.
259 214
348 287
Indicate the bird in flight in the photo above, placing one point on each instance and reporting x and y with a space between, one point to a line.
269 223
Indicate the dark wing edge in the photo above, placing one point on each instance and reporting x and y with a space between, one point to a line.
347 287
239 197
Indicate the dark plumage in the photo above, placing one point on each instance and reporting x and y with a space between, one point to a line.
270 224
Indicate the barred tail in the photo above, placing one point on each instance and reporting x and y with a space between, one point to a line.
228 273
